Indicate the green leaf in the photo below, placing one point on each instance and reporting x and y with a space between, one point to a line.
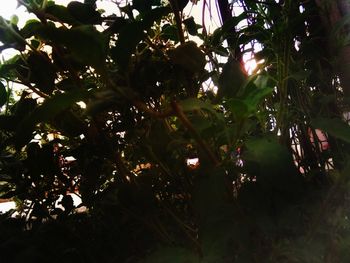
129 36
84 13
231 80
255 96
8 123
226 31
269 161
46 112
14 67
30 28
42 72
169 32
70 124
156 2
3 94
334 126
158 138
192 104
209 194
188 56
247 104
201 124
266 151
180 4
9 69
9 35
33 4
238 108
57 103
191 26
90 2
35 43
233 22
24 106
60 14
86 44
142 6
154 15
14 19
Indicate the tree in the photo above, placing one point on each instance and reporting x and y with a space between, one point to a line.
113 107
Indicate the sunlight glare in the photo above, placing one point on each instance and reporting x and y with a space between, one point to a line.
8 8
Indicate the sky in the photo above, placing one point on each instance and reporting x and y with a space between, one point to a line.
7 8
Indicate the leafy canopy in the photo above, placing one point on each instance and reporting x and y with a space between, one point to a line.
112 108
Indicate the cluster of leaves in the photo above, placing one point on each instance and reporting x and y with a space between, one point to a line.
112 109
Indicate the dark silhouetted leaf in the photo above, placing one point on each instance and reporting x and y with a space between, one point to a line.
271 163
3 94
193 104
239 108
90 2
86 44
8 123
46 112
117 24
24 107
9 35
154 15
129 37
180 4
191 26
188 56
30 28
42 72
58 103
169 32
231 80
84 13
69 123
335 127
142 6
61 14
